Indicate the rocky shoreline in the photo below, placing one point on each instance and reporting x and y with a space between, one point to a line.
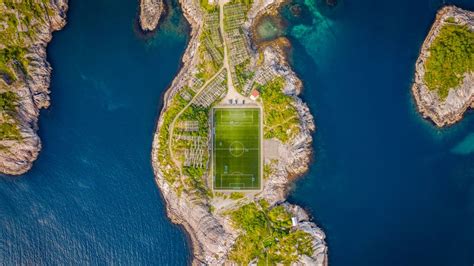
451 110
150 14
17 156
211 233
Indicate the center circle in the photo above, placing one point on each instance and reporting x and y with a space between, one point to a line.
236 148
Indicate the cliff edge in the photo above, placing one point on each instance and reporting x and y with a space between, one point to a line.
449 107
25 29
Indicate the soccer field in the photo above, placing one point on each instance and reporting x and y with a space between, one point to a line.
236 149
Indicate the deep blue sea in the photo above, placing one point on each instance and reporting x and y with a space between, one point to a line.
387 187
91 197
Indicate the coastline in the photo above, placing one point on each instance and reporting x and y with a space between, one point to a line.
32 90
212 236
461 98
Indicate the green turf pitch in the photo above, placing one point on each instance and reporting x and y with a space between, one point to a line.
236 149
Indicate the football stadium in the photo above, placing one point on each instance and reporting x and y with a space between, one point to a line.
236 149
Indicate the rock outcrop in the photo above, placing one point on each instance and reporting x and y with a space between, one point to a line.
211 232
150 13
450 110
17 156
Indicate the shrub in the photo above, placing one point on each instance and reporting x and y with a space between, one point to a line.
267 236
8 101
9 131
281 119
236 195
451 56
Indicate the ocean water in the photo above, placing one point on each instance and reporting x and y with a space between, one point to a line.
387 186
91 197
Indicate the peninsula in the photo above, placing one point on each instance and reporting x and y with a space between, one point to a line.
231 137
25 30
444 77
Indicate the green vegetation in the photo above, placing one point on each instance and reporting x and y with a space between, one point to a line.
195 180
8 101
269 168
9 131
211 49
29 9
170 171
267 236
164 157
247 4
236 195
212 209
450 20
19 23
206 6
207 67
8 128
281 119
13 55
195 174
243 74
451 56
26 15
236 148
200 114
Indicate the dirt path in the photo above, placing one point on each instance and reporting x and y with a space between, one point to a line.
231 92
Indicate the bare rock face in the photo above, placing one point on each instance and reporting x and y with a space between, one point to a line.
448 111
17 156
210 240
150 13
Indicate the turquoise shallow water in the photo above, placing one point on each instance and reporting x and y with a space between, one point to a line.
387 187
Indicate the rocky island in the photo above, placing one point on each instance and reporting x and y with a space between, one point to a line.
444 77
227 188
25 30
150 13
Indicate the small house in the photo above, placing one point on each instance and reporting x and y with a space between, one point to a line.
254 95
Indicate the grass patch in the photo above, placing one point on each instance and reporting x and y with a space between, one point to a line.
195 180
29 15
267 236
267 170
236 195
450 20
9 131
8 101
243 74
207 66
281 119
194 174
199 114
206 6
168 168
20 23
13 55
451 56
